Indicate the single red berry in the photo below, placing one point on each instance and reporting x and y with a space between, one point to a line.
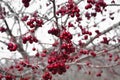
86 37
26 5
33 48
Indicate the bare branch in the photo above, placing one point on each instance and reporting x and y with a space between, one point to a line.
104 32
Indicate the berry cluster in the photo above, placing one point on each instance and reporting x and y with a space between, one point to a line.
35 23
26 2
73 9
65 35
47 76
12 46
43 54
85 31
105 40
70 24
2 29
19 68
84 51
54 31
87 15
70 9
92 53
56 63
24 18
8 77
88 6
68 47
91 1
27 64
29 38
58 67
98 5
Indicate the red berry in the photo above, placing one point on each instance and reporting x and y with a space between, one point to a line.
88 6
86 37
26 5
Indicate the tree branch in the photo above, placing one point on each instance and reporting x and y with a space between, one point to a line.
54 12
113 4
104 32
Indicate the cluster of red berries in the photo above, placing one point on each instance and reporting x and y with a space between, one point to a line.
56 63
9 77
35 23
70 9
87 52
89 15
84 51
12 46
98 4
29 38
70 24
113 57
68 47
23 65
105 40
18 67
85 31
92 53
24 18
27 64
65 35
43 54
58 67
88 6
6 77
2 29
91 1
26 2
62 11
55 57
54 31
47 76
